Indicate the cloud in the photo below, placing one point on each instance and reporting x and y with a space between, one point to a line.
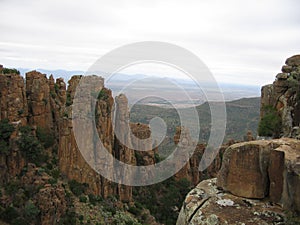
236 39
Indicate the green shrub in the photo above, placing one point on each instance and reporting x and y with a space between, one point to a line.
55 173
77 188
109 207
31 211
6 129
53 95
4 147
45 137
31 189
135 211
69 100
144 216
20 112
56 88
103 94
69 218
83 199
31 147
9 214
93 199
81 218
19 221
139 158
157 158
52 181
169 193
12 187
10 71
45 101
270 124
292 218
121 218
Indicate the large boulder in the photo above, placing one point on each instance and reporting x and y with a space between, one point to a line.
264 168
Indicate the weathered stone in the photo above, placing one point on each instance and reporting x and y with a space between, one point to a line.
123 148
206 204
243 171
13 104
38 97
267 97
141 133
265 168
71 162
286 69
249 136
293 61
276 166
282 76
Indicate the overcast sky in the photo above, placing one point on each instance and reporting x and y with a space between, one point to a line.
240 41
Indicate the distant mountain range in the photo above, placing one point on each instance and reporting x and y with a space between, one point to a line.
161 91
66 74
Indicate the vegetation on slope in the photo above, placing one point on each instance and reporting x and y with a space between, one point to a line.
164 199
24 198
242 116
270 124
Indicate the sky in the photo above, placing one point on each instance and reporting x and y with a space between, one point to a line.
243 42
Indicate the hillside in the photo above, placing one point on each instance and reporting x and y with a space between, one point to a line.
242 116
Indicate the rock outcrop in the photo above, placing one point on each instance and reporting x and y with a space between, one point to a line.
13 103
284 97
258 182
38 97
207 205
13 106
264 169
143 132
71 162
46 105
118 140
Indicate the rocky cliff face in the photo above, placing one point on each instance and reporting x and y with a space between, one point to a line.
46 105
13 106
13 103
284 97
71 162
38 97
